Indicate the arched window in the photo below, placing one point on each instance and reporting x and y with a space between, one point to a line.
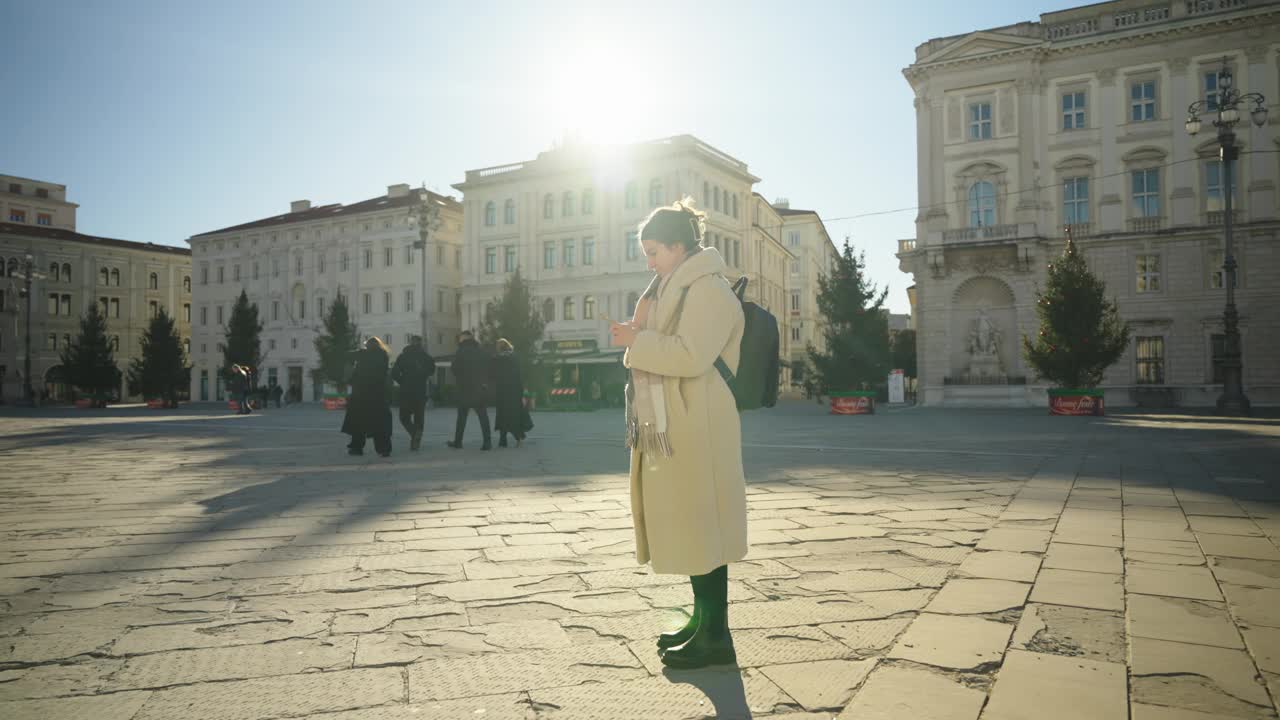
589 307
569 310
632 195
632 300
103 276
982 204
186 282
66 272
588 202
548 310
655 192
566 204
490 214
55 272
735 205
154 282
115 276
509 212
548 206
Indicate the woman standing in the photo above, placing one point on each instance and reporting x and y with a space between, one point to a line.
368 407
510 415
688 493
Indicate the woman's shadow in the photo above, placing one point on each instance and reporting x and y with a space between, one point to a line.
723 687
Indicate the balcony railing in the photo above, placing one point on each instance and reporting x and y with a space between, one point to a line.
1215 217
987 232
1145 224
906 245
1078 230
1204 7
984 380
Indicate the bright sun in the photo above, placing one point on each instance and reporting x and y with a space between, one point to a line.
598 93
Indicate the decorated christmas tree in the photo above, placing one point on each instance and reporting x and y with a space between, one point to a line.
1081 333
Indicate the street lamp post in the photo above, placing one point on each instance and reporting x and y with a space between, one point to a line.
427 216
28 392
1227 108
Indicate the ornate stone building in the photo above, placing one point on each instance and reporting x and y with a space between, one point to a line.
130 280
813 255
294 264
1077 121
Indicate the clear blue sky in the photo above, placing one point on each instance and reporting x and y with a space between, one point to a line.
166 119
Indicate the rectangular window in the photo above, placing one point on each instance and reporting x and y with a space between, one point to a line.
297 265
1075 200
1150 353
795 301
1146 192
53 303
980 121
255 269
588 251
386 256
570 253
795 334
408 254
235 273
1217 354
440 255
186 312
1142 101
320 263
386 301
1217 274
548 255
795 267
204 276
44 219
439 301
793 239
219 314
633 245
154 308
509 258
320 307
368 259
457 258
1073 109
490 260
221 274
408 301
302 309
1147 269
344 261
18 216
51 342
275 267
367 303
115 307
275 309
1211 91
1213 180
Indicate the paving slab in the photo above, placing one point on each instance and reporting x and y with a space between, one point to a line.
1088 558
1255 606
289 657
1258 548
1181 620
1246 572
288 695
1079 589
1071 631
955 642
116 706
509 706
1264 646
689 694
895 693
1000 565
970 597
498 673
820 685
868 636
1196 677
1183 581
1034 686
1015 540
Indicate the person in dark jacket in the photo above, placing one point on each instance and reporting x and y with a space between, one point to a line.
471 368
368 408
276 393
509 413
241 384
412 370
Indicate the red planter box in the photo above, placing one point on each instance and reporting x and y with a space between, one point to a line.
156 404
233 405
331 402
1075 402
84 403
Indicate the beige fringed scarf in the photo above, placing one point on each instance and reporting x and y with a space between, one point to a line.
646 403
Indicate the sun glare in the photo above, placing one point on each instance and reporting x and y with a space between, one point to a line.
598 93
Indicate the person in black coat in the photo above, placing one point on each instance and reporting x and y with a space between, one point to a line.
510 415
368 407
471 368
412 370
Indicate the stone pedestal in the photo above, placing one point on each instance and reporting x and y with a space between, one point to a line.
985 366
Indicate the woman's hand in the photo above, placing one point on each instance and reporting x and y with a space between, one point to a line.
623 334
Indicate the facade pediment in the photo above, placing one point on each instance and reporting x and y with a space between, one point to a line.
979 43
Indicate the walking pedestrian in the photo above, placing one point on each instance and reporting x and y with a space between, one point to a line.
509 414
413 370
471 368
240 387
688 493
276 392
368 408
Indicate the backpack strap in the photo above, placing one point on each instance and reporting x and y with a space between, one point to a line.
720 365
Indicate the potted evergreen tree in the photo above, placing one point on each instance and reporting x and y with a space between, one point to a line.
1081 335
856 357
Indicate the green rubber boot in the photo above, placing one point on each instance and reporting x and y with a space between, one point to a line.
711 643
682 636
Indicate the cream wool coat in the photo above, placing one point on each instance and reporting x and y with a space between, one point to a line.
690 509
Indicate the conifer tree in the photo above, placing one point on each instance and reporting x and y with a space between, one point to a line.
162 371
514 317
1081 333
334 346
857 328
90 362
241 344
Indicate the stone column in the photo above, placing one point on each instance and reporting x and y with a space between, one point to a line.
1257 185
1180 180
1030 93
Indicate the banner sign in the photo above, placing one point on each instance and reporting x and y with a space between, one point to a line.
853 404
1075 404
560 346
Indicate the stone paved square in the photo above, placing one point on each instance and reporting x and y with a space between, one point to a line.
918 563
